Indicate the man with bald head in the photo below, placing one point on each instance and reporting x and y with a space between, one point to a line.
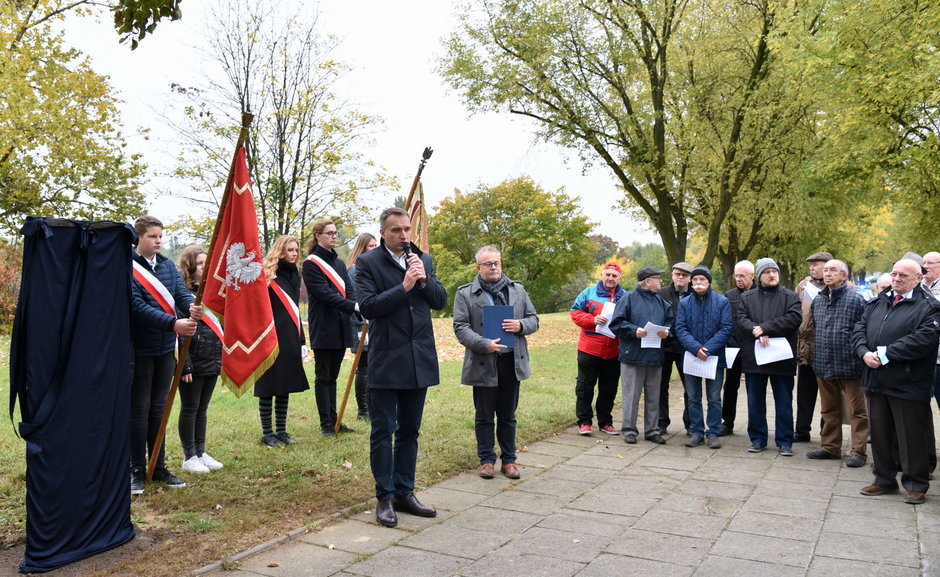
838 370
897 339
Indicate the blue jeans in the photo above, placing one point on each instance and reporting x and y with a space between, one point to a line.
782 387
693 389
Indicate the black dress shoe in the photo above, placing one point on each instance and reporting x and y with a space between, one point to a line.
410 504
801 438
385 513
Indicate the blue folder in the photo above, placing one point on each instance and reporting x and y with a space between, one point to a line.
493 317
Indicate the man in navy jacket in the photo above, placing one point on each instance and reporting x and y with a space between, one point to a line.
398 289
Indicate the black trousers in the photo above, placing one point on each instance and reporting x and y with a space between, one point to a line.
194 405
806 392
899 443
149 389
664 421
729 395
497 405
326 370
605 373
395 414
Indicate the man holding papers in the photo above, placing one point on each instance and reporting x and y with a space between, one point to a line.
768 319
597 351
642 319
703 327
493 365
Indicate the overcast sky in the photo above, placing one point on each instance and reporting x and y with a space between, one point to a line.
392 49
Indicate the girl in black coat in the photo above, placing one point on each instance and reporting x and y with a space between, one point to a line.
287 374
204 363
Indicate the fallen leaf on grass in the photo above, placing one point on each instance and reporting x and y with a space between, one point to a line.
217 506
347 464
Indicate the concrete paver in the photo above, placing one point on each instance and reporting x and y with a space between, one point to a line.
597 507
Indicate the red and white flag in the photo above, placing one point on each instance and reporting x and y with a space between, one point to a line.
237 291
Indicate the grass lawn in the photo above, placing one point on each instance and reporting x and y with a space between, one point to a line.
262 492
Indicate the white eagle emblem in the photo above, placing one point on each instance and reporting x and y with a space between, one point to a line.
240 267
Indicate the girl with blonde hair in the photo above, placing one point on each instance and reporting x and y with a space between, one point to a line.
286 375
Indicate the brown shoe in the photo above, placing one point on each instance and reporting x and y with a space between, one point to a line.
875 490
510 470
915 498
486 470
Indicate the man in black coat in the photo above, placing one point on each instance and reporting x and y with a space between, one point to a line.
769 311
743 281
897 340
672 350
398 289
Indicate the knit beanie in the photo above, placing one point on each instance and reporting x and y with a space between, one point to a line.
764 264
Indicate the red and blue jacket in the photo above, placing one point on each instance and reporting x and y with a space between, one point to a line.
587 306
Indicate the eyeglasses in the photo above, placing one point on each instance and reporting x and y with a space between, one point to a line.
493 264
330 233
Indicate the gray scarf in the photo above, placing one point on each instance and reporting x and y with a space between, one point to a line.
496 289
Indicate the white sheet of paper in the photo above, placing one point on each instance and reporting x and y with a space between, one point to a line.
696 367
810 291
778 349
731 353
652 340
606 311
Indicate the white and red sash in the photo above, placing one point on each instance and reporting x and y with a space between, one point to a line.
155 289
288 303
330 273
213 323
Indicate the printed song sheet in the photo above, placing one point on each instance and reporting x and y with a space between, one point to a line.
777 349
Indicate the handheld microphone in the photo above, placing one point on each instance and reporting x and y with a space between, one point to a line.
407 248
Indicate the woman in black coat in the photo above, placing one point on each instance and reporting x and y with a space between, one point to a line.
287 374
364 243
203 365
332 300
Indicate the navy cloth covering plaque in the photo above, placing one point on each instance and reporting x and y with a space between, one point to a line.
70 370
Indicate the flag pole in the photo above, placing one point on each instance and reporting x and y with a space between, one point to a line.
352 375
428 151
247 117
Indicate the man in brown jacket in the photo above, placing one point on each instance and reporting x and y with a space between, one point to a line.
806 388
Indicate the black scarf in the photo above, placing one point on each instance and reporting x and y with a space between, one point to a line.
496 289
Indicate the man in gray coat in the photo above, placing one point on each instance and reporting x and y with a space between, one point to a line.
492 367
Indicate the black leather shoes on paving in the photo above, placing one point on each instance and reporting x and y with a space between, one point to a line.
385 513
801 438
658 439
410 504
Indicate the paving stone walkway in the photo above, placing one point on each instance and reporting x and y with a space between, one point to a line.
597 507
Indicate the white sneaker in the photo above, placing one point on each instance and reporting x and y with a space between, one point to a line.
194 465
210 463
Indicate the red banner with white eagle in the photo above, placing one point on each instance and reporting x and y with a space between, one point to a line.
236 288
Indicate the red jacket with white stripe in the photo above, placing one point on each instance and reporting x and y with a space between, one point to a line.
585 308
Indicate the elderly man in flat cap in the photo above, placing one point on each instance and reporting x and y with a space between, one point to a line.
806 388
672 349
640 366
